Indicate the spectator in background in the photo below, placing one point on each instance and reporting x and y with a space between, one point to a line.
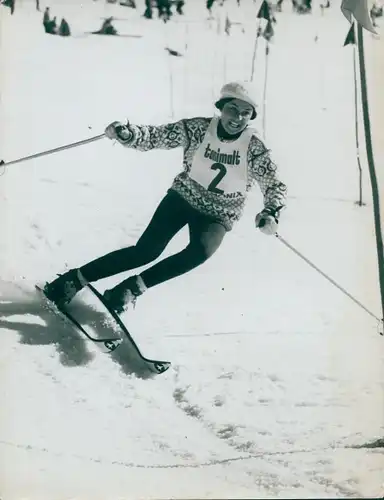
46 17
302 6
64 29
128 3
51 27
376 12
164 10
9 3
209 6
179 7
107 28
148 9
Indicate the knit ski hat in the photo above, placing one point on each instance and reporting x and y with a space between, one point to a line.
238 90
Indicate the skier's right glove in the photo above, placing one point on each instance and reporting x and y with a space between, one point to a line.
119 131
267 220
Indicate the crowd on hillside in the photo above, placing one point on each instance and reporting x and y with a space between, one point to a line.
166 9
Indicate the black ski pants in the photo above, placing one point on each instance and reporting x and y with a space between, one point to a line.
172 214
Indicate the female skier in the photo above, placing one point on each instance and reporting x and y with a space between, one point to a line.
223 158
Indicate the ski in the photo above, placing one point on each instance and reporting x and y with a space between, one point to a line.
109 343
155 366
123 35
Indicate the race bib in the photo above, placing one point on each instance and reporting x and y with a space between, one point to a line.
220 167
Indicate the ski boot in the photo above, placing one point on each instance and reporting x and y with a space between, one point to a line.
63 289
125 293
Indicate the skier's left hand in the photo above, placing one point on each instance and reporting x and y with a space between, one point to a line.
266 222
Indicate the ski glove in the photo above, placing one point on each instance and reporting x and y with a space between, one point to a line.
119 131
267 221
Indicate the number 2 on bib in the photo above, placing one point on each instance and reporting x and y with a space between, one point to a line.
216 180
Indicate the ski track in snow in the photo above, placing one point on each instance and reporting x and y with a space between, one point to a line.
276 378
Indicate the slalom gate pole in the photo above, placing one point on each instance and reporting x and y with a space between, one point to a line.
254 54
265 91
360 202
371 164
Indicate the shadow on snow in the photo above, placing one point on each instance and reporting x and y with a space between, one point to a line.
50 329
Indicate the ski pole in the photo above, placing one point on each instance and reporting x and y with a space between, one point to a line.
329 279
51 151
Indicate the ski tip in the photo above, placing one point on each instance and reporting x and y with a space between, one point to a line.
159 366
112 344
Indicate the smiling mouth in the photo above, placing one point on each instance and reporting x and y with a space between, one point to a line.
233 124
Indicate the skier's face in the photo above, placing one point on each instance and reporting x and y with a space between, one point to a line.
235 116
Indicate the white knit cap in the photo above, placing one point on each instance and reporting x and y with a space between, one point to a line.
243 91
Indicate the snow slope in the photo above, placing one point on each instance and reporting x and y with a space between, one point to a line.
277 377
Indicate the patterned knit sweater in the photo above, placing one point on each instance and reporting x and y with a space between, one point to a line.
189 134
